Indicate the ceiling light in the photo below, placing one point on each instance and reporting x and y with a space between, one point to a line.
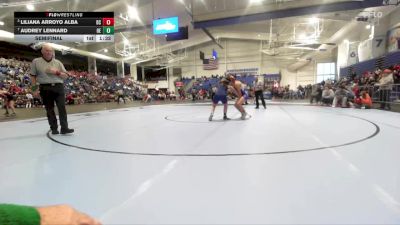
30 7
368 26
126 41
1 23
105 50
6 34
133 13
255 1
313 20
302 36
346 41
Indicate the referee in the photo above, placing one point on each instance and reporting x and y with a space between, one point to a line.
50 74
259 89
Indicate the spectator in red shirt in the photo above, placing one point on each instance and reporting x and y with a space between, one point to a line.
363 101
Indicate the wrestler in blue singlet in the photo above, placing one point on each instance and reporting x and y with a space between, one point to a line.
221 94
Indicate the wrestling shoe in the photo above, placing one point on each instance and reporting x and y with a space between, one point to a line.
243 116
67 131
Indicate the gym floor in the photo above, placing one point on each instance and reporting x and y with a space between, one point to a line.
291 163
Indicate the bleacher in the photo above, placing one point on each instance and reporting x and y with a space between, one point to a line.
383 62
186 81
207 84
247 80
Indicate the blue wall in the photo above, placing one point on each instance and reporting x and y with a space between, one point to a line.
385 61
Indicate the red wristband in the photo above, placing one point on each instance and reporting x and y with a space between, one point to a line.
58 73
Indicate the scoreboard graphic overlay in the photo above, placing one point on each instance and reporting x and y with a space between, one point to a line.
64 26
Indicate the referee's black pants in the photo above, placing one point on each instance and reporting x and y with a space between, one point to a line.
259 94
51 93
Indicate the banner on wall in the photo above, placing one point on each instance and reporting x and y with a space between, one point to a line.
249 71
372 48
353 54
178 84
393 39
365 50
378 46
272 77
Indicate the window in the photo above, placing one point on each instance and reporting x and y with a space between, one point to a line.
325 71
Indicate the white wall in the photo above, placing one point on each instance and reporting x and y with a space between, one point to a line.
159 84
193 66
239 54
304 76
342 55
385 24
307 74
368 48
288 78
133 71
235 55
394 18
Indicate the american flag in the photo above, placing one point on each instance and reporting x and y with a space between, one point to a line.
210 64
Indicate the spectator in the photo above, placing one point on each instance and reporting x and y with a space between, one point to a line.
50 215
182 95
9 96
70 99
29 100
316 93
172 96
340 96
396 74
120 94
377 73
194 92
146 98
327 96
364 101
350 96
385 83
